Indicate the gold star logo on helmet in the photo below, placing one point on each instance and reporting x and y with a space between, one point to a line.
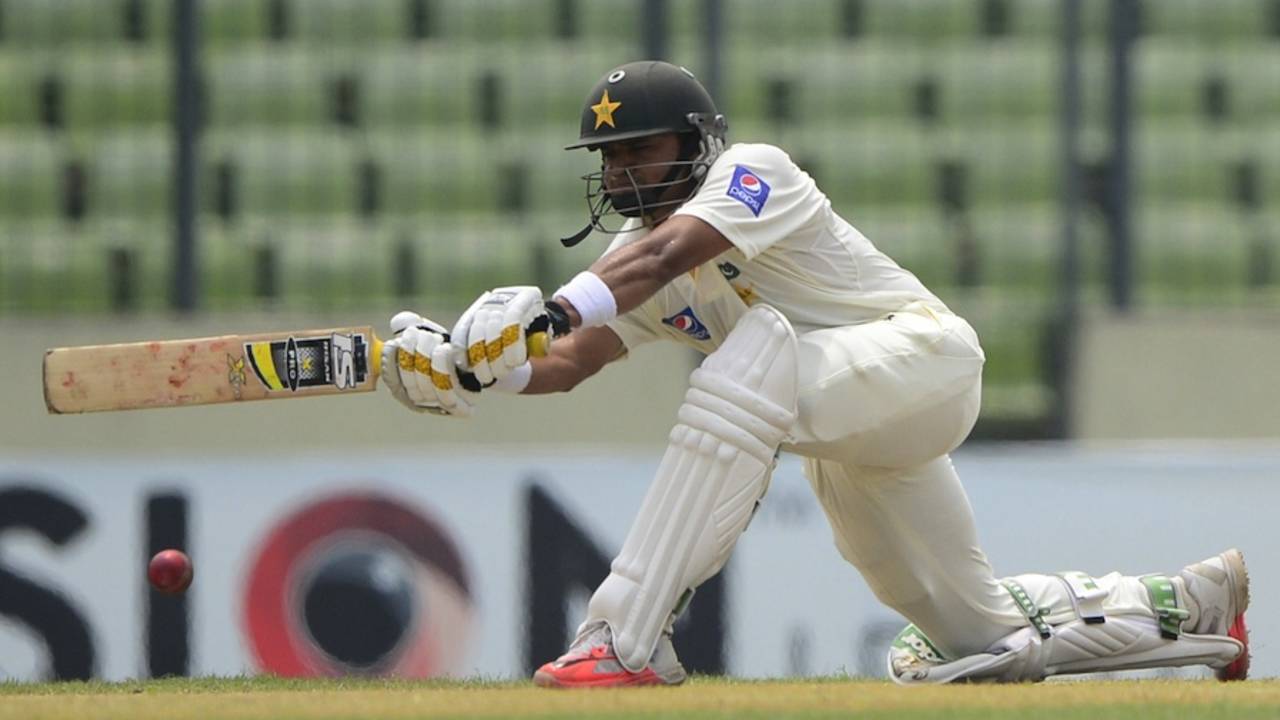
604 111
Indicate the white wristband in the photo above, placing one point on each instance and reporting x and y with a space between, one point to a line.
516 380
593 300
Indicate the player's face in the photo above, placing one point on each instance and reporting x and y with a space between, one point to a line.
623 154
632 164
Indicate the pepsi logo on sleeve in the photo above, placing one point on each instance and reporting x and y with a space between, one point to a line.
749 189
689 324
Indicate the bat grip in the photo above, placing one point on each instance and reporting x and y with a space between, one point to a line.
537 343
375 357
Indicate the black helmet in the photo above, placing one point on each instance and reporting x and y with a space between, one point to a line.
645 98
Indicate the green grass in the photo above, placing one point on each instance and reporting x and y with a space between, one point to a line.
284 699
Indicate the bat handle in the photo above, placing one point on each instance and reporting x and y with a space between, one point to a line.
375 358
538 344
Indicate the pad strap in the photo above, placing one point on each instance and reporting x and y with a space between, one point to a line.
1086 596
1034 615
1164 601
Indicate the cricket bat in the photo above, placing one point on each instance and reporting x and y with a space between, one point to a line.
222 369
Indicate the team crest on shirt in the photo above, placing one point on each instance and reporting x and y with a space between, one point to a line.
749 189
689 324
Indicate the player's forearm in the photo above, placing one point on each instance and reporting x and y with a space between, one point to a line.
572 360
551 375
634 272
611 288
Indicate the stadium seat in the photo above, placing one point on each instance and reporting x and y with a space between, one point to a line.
403 86
1016 247
1179 161
124 174
924 21
226 23
42 24
1222 21
882 162
106 87
876 79
301 172
362 23
1013 328
31 165
540 86
352 263
267 84
50 265
1203 254
1170 78
19 86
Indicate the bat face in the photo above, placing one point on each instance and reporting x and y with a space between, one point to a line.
201 371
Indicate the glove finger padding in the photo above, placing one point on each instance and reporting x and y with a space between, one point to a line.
461 335
406 319
516 318
412 378
418 381
452 395
493 331
475 353
391 374
494 342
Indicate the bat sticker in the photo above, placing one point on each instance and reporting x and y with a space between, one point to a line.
299 363
235 374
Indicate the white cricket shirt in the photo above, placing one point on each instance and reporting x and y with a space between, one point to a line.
790 251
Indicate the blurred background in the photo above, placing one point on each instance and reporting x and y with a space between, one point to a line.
1094 184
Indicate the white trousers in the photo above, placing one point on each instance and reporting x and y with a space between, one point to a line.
881 406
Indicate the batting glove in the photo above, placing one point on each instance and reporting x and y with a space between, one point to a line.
419 368
493 331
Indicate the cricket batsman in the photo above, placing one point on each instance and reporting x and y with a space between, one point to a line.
816 343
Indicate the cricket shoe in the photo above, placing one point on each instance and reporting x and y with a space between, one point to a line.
1217 596
591 662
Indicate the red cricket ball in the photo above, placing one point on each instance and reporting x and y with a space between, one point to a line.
170 571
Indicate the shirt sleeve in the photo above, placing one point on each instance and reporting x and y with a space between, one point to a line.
632 329
755 196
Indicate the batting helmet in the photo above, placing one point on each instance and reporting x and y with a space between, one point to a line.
644 98
640 99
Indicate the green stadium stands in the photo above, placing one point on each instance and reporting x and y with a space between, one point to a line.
923 21
880 78
1171 79
92 87
405 86
494 23
1221 22
360 152
49 24
30 169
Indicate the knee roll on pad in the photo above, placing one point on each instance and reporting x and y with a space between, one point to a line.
740 406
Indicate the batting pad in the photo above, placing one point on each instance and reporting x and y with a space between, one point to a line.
740 405
1083 625
1122 643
